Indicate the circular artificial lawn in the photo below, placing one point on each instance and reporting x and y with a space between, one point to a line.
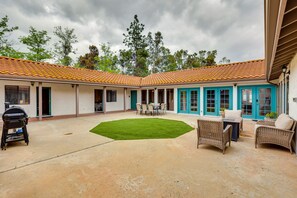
142 128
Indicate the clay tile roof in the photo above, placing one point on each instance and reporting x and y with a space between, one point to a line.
11 67
249 70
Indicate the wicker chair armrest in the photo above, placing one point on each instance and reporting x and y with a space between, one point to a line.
266 123
273 129
227 129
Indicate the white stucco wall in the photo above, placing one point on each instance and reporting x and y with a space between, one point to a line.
293 88
29 108
62 99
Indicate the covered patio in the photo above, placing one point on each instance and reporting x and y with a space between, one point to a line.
65 158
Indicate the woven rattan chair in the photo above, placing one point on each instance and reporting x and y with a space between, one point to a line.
138 109
144 108
213 133
150 109
267 133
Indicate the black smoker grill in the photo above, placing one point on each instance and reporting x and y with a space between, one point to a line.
17 119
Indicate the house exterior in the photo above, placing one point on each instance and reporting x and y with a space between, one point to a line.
44 89
280 53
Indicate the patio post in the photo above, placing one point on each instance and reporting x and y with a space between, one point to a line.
165 96
235 94
147 96
40 101
125 95
201 101
104 99
156 96
76 100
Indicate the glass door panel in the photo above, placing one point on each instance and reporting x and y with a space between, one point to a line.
183 101
194 101
224 99
264 101
247 102
211 101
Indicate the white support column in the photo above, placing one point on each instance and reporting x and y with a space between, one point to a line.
201 101
76 100
235 97
104 99
147 96
125 95
175 99
155 96
165 96
40 101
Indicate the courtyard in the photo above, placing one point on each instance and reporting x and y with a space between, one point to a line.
64 158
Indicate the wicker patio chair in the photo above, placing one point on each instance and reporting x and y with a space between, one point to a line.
267 133
162 108
138 109
213 133
229 114
150 109
144 108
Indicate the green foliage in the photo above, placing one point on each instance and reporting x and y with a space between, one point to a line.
64 46
126 61
108 60
37 42
155 58
224 60
136 42
89 61
149 128
6 48
272 115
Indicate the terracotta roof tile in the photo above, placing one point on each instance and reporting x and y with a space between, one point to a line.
25 68
249 70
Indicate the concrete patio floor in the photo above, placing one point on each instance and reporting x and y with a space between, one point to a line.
63 159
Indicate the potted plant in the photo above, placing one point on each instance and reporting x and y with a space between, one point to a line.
222 112
271 116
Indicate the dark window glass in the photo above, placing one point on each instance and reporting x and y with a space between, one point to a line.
17 94
111 96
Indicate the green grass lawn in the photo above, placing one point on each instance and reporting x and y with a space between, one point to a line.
145 128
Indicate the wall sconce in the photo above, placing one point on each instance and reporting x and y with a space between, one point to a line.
155 88
32 83
72 85
284 69
235 84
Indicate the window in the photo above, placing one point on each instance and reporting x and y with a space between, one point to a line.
111 95
17 94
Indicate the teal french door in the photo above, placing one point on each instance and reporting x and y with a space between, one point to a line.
133 99
188 100
217 99
256 101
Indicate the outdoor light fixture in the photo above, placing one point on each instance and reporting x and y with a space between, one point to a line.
32 83
284 69
72 85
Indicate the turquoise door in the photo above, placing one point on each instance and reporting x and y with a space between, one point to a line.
217 99
257 101
188 100
133 99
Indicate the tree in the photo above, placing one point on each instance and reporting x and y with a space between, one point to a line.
180 58
36 42
210 58
89 59
224 60
136 42
107 61
64 46
126 61
6 48
155 45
